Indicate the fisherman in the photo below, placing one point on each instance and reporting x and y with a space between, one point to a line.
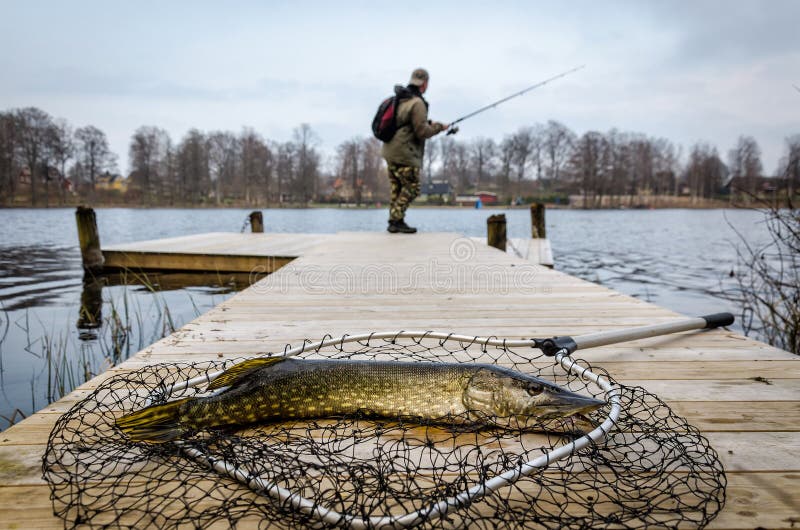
404 152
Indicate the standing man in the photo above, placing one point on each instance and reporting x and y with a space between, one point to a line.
404 152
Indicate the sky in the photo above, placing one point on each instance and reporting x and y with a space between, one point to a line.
688 71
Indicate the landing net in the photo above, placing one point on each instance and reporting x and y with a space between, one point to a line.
652 470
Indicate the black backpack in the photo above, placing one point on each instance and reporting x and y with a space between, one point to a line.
384 125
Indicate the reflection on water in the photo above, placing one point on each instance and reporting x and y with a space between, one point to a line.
34 276
55 330
90 313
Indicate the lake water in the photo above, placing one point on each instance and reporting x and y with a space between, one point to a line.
680 259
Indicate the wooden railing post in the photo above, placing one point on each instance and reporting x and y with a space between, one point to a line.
256 222
89 239
496 231
537 221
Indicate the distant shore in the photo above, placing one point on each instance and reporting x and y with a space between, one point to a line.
606 204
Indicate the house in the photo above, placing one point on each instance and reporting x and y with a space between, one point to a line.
25 175
484 197
487 197
759 185
436 189
52 175
108 181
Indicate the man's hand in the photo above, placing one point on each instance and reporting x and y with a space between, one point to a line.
441 126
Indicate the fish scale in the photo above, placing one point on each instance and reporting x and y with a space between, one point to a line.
274 389
301 389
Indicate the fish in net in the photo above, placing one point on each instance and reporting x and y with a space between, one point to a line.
653 470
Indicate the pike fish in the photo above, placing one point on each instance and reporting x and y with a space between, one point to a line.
279 388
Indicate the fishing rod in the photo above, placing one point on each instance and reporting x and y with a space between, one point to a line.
453 130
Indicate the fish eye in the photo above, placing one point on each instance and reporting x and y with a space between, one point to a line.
534 390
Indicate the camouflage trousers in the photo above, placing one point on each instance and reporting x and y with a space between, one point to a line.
405 188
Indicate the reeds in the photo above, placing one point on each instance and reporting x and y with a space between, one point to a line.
109 330
768 279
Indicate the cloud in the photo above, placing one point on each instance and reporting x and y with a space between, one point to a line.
685 70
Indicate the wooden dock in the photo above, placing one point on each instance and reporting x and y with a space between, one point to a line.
743 395
217 252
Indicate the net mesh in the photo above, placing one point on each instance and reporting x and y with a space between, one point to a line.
654 470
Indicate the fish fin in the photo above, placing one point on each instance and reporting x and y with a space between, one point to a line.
235 373
157 423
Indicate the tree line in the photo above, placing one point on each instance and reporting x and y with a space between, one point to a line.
45 161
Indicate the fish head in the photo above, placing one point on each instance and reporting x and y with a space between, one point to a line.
504 393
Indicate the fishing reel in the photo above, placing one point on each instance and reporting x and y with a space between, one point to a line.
452 130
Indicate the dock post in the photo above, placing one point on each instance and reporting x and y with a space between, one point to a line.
89 239
257 222
496 231
537 221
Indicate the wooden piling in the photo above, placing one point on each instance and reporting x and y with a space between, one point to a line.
89 239
496 231
257 222
537 221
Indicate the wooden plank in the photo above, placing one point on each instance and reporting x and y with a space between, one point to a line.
753 500
536 251
740 416
760 500
193 262
540 252
761 371
722 390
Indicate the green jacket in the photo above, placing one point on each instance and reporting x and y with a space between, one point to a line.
407 148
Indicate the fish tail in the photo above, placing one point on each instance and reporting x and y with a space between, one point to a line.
156 424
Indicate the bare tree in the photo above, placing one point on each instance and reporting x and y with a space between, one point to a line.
94 153
430 157
308 162
193 175
790 165
483 152
63 150
455 165
349 166
34 130
590 166
666 167
524 147
642 165
169 173
374 170
616 176
461 168
223 148
285 169
256 166
557 145
744 162
147 152
507 152
704 172
9 168
446 146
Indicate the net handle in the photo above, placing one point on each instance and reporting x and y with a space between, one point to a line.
593 340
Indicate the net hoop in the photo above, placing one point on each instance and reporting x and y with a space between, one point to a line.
329 516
